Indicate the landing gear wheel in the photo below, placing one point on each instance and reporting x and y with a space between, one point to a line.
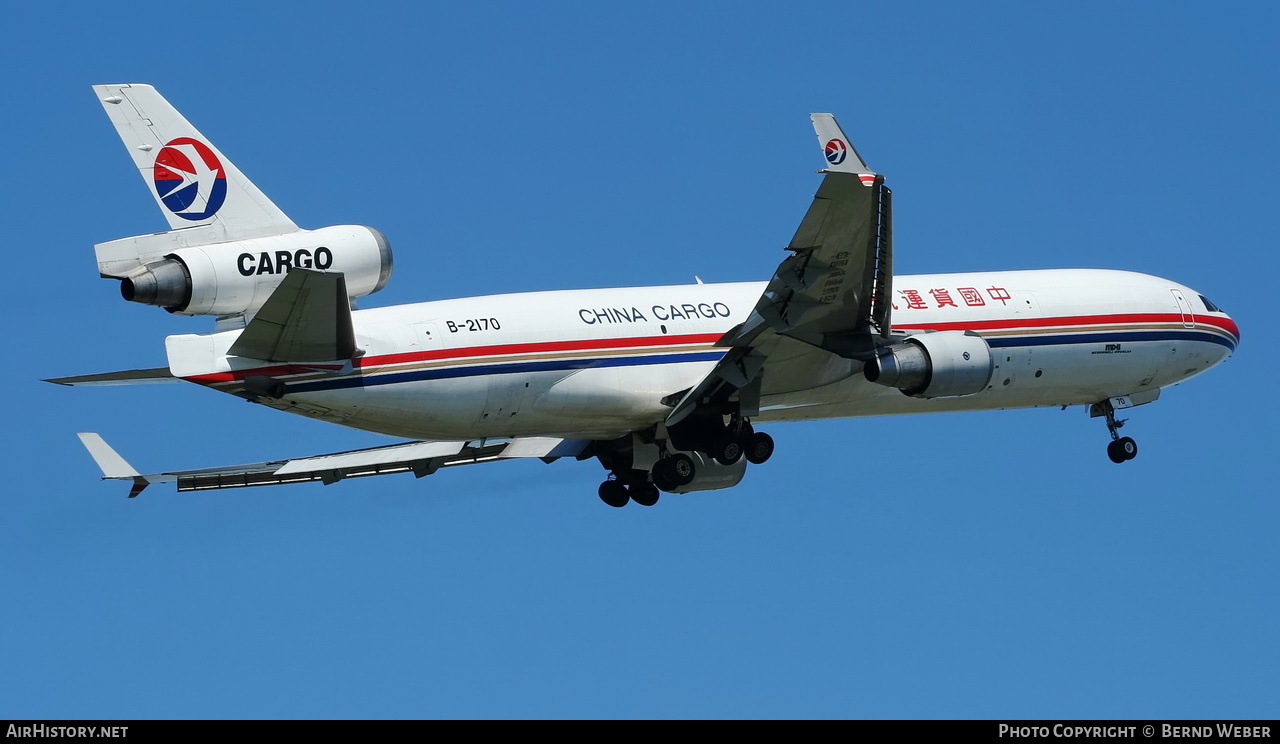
759 448
678 469
728 450
1122 449
614 494
661 480
644 494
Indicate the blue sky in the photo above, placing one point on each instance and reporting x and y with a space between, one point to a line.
963 565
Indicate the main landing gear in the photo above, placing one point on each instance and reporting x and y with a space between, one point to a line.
739 440
1120 448
673 471
759 448
709 453
616 493
669 473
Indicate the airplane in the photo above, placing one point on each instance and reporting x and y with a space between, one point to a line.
665 386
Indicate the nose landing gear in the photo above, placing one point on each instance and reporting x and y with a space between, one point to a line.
1120 448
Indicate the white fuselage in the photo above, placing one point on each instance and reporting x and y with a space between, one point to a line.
599 363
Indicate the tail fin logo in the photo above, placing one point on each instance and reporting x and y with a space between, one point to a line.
190 180
836 151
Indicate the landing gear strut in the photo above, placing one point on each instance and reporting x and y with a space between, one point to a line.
1120 448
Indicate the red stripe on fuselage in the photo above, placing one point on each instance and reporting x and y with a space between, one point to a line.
1225 324
278 370
471 352
539 346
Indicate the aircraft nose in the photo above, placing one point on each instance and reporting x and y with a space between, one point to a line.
1228 328
1233 329
1222 325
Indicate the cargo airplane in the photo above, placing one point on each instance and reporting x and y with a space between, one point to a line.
668 388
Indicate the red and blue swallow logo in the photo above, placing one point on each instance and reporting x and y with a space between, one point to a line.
836 151
190 180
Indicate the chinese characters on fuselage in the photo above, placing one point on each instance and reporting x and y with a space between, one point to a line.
940 297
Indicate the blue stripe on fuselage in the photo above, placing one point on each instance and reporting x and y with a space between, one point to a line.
1000 342
480 370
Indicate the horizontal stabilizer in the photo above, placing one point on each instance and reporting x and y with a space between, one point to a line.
153 376
306 319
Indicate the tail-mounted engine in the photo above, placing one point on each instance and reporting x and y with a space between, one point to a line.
237 277
935 365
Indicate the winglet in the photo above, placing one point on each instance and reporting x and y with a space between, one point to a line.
838 149
112 464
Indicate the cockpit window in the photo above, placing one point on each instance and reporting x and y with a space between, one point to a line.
1209 305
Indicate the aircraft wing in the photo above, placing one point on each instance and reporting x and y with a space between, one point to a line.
420 458
832 293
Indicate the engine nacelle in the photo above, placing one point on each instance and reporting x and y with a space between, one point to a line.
238 277
935 365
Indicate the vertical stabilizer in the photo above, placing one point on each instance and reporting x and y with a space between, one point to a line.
194 184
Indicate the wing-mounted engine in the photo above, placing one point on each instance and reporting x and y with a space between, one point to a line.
237 277
935 365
